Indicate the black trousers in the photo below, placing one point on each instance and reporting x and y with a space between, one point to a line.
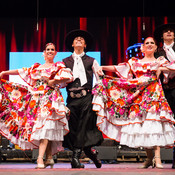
170 96
82 124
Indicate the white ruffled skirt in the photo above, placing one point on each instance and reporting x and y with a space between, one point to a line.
32 116
152 129
52 127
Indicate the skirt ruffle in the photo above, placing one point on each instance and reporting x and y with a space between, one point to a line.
22 143
147 131
27 118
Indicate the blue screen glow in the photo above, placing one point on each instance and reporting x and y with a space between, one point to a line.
18 60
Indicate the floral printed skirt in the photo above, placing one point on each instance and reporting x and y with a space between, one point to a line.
26 116
134 112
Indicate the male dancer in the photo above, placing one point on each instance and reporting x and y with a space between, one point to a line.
165 34
82 120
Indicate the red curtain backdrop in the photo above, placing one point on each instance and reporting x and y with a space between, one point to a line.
112 35
3 51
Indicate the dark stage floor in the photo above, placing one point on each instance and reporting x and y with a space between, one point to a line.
26 168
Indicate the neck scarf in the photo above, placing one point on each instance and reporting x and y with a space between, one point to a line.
78 68
169 51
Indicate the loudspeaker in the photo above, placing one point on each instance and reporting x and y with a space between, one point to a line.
106 152
4 143
166 154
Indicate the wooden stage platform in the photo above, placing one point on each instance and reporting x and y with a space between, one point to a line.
62 168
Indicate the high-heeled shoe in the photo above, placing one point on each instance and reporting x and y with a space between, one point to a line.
157 165
39 165
147 164
49 162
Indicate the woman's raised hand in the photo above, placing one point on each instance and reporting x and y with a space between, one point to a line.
100 71
1 74
158 72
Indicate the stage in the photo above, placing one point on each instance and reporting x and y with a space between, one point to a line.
62 168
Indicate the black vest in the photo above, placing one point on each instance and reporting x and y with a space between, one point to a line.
171 82
161 52
88 63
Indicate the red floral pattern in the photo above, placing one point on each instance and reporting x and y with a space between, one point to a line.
123 96
21 108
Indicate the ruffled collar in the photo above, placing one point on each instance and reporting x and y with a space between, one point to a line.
136 64
37 72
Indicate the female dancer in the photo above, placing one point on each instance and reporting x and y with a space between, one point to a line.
135 111
35 116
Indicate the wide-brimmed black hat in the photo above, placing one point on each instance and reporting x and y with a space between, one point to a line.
75 33
158 33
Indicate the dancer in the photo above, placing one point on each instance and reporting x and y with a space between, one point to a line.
165 34
135 111
83 133
35 116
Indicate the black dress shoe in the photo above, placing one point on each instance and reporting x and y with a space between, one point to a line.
173 164
75 159
75 163
92 154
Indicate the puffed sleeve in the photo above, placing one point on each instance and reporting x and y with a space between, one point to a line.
124 70
27 74
63 73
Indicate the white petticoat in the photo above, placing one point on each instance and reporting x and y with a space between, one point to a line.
152 129
53 130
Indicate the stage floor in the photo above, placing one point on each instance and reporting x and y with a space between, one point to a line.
27 168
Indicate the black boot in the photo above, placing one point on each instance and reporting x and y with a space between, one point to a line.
75 159
92 154
173 164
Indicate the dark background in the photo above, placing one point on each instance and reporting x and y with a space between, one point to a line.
115 25
86 8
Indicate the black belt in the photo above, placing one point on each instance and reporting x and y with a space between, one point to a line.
79 93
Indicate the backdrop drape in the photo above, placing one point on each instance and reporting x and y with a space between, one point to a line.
113 35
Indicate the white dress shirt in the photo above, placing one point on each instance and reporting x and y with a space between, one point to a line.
169 51
79 69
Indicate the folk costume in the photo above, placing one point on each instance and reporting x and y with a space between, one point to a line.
29 114
135 111
82 120
168 51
